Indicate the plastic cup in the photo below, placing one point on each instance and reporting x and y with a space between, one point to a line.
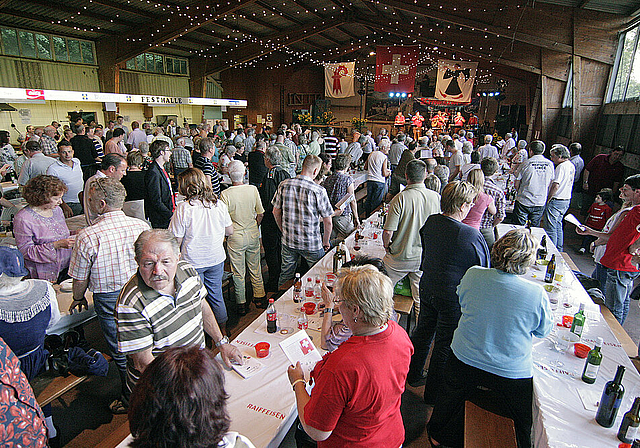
309 307
581 350
262 349
329 280
567 321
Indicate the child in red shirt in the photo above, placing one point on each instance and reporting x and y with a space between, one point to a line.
599 213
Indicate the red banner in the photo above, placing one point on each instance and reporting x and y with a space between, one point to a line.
396 69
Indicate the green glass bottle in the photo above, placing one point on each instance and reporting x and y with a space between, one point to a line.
630 422
590 371
551 270
578 321
610 400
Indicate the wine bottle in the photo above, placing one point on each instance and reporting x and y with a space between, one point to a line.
610 400
339 258
578 321
630 422
542 250
590 371
551 270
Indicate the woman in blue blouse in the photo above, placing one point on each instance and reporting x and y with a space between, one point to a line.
491 348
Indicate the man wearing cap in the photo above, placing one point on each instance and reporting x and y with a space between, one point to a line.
163 306
103 261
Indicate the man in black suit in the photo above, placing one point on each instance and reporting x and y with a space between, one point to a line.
159 202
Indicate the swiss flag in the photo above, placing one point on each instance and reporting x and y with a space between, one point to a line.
396 69
306 346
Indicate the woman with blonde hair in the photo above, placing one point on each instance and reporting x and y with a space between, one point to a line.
201 223
483 202
355 401
491 362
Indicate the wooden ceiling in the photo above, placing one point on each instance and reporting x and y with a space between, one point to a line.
502 36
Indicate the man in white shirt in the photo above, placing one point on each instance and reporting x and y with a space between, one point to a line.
67 168
532 184
36 164
136 136
559 196
377 167
509 145
396 150
456 161
488 150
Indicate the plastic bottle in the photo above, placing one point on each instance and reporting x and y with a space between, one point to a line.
297 289
592 365
610 400
303 321
272 318
309 292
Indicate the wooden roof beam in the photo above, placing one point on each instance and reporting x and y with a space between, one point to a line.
472 53
86 13
143 40
287 37
477 26
50 21
289 17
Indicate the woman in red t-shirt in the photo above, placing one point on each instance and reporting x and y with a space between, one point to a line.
355 400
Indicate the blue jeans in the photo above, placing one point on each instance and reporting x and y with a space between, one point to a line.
617 292
553 214
212 279
290 259
600 274
375 194
105 303
522 213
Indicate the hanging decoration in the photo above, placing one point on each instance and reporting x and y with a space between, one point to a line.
338 80
455 80
396 68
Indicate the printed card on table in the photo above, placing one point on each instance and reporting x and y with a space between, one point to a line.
250 367
300 348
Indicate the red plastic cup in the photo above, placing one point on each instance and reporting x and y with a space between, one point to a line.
262 349
567 321
581 350
309 307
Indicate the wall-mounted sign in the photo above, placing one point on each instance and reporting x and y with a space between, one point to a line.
9 94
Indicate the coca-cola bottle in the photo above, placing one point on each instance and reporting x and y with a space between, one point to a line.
272 318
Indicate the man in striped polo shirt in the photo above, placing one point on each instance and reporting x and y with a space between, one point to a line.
163 306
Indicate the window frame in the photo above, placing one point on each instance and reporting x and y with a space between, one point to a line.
615 71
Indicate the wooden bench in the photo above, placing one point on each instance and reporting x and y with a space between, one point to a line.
116 437
403 306
484 429
60 385
630 347
569 261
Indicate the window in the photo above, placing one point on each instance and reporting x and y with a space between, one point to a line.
45 46
10 42
60 48
27 44
626 82
157 63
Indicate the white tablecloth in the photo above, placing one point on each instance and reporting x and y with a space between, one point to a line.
560 418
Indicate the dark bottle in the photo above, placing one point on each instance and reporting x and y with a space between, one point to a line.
272 318
591 367
636 444
610 400
630 422
542 250
528 225
551 270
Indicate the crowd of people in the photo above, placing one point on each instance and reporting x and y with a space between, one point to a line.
159 206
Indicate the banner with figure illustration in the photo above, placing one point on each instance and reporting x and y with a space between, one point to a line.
455 80
338 80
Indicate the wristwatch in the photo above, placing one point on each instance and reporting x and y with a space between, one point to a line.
224 340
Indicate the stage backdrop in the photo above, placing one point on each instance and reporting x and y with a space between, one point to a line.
338 80
455 80
396 69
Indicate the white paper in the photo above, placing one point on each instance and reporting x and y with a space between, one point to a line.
342 203
573 220
590 398
300 348
250 367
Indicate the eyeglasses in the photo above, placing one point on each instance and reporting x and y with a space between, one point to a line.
338 301
99 184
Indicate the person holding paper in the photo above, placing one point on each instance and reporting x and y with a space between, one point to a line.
338 185
355 401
